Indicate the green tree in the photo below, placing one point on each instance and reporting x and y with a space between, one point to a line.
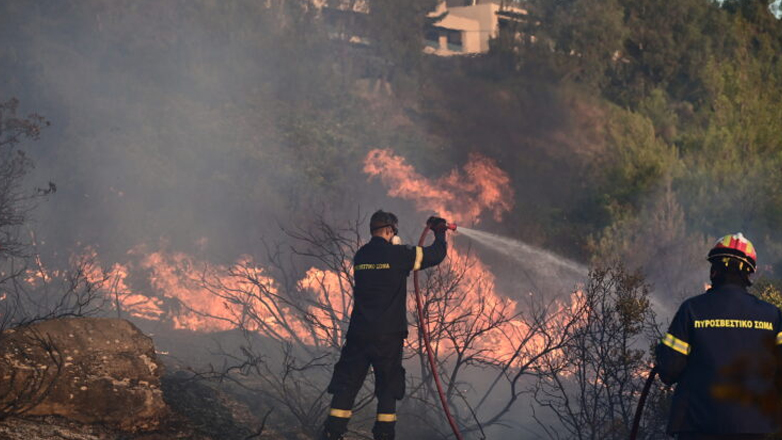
574 40
396 33
668 48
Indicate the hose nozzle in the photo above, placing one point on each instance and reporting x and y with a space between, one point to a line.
439 222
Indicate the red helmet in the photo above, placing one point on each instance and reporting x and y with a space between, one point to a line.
734 247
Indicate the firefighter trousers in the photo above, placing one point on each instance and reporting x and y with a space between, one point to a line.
384 354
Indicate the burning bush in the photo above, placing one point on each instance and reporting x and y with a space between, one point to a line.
301 324
593 387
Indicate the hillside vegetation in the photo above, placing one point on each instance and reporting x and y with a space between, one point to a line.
633 129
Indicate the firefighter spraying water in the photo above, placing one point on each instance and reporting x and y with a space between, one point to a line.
378 323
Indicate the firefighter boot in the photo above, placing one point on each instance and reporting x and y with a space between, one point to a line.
334 428
326 435
383 431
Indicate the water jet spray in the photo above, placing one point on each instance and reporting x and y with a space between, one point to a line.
534 263
523 252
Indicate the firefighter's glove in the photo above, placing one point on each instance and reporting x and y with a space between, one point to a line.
437 224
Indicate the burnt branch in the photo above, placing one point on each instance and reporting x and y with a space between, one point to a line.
299 317
32 293
15 202
593 387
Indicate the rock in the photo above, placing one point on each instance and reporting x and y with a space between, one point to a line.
90 370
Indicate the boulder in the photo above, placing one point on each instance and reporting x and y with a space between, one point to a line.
91 370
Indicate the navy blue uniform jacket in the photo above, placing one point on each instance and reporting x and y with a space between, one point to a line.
721 345
380 294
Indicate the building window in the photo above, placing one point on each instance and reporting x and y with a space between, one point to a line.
432 38
455 41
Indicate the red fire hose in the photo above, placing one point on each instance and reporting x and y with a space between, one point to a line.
423 328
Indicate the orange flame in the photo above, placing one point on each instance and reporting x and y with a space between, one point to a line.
474 304
332 303
211 298
460 196
475 307
195 295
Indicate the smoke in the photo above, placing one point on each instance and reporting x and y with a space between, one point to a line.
195 128
201 127
170 121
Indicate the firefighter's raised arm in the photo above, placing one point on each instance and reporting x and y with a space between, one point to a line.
435 253
419 257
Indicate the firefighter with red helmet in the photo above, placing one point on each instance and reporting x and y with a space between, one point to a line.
378 323
722 345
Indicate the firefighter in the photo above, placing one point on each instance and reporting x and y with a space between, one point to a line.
378 323
722 346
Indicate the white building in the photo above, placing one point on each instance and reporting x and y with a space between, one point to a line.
467 29
457 30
